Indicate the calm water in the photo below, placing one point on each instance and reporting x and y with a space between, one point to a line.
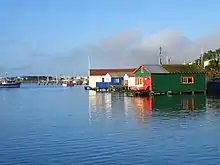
56 125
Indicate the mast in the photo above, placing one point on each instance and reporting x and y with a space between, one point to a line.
57 78
89 65
6 75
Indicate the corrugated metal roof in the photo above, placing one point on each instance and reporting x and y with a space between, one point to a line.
155 68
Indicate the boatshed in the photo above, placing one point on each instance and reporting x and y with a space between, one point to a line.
171 78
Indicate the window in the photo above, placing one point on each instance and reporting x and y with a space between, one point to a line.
125 82
139 81
142 69
187 80
103 79
117 80
107 79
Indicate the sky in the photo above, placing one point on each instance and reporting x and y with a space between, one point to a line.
49 37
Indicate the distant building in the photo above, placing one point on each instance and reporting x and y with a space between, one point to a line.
207 62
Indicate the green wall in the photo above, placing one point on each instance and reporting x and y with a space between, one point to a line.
139 74
172 82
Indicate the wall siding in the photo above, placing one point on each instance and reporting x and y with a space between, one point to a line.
139 74
114 80
93 80
131 81
102 85
172 82
107 78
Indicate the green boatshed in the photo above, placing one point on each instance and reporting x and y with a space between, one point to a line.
171 78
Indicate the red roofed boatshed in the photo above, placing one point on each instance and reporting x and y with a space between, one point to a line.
99 75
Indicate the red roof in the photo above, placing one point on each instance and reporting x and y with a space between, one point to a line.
102 72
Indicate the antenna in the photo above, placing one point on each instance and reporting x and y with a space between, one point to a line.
89 66
167 60
160 56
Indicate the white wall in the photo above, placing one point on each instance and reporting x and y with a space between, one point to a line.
93 80
206 63
107 78
126 77
131 81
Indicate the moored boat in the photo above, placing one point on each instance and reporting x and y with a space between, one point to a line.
68 84
9 84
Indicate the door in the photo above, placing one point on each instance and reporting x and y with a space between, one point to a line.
125 82
147 82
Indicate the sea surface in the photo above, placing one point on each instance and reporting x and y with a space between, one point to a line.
45 125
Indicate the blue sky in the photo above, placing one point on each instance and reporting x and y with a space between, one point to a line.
49 36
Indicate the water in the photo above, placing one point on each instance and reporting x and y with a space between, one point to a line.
58 125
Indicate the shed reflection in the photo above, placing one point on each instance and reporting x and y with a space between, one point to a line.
142 107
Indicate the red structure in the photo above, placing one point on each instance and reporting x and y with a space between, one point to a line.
142 84
102 72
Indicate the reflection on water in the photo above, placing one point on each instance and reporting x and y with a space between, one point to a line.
142 108
213 103
146 107
108 104
51 126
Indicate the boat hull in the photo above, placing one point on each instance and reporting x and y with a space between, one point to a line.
11 85
64 85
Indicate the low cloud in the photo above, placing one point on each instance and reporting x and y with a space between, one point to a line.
132 50
125 49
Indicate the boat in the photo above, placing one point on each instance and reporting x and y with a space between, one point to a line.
86 87
10 84
67 84
85 82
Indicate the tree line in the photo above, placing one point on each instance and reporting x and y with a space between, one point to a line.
213 68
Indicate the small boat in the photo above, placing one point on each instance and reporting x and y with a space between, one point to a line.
10 84
67 84
86 87
85 82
